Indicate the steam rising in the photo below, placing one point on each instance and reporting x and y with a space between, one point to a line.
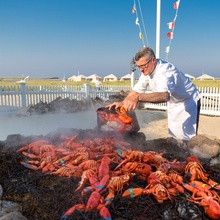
45 123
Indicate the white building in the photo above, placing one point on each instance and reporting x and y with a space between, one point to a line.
205 76
110 78
93 78
126 77
78 78
190 76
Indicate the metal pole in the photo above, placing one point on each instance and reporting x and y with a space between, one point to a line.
158 29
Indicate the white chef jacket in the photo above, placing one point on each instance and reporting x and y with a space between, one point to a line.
182 105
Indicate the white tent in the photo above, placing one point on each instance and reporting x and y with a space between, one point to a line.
71 78
205 76
93 78
110 77
190 76
78 78
126 77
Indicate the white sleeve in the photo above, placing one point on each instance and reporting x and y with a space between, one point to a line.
165 79
142 84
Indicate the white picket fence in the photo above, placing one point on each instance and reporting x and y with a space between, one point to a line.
14 98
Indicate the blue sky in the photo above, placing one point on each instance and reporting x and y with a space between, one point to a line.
47 38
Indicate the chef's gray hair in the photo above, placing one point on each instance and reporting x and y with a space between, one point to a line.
144 52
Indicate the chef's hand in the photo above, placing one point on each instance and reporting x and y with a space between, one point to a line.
130 102
116 104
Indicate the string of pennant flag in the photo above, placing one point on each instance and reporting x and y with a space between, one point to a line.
141 35
171 26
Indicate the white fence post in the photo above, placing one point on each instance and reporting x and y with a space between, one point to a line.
132 79
87 90
23 94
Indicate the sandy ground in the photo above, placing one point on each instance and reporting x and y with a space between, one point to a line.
152 123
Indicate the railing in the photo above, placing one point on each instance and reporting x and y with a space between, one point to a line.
210 102
14 98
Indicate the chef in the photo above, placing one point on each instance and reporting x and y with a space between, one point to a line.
167 84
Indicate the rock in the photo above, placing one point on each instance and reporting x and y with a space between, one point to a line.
13 216
215 162
24 111
177 142
10 211
8 206
58 105
203 147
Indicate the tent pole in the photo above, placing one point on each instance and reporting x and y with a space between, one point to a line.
158 29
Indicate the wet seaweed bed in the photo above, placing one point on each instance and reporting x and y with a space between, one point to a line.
48 197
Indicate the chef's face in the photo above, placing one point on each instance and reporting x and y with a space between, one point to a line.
145 65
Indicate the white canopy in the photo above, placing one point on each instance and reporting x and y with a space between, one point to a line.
205 76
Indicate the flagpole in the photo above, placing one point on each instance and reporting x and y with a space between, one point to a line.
158 29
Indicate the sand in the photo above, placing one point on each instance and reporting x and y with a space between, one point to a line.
152 123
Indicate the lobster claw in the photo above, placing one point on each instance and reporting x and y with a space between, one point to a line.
104 213
177 186
177 166
30 166
133 192
211 207
72 210
95 202
213 184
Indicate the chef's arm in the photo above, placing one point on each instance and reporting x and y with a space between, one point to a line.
130 102
154 97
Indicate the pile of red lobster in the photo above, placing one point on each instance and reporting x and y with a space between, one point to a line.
109 164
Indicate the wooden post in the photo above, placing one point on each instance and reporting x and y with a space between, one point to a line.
132 79
87 90
23 94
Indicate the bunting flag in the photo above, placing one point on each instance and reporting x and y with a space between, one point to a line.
170 25
137 21
170 35
140 24
141 36
176 4
133 10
